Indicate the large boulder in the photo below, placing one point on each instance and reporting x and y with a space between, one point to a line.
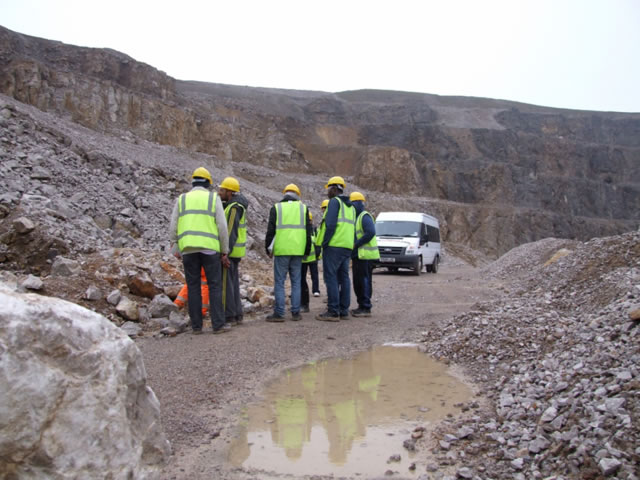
75 401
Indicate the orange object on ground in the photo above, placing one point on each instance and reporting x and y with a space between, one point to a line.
183 295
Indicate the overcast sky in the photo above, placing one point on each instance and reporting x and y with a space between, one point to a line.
582 54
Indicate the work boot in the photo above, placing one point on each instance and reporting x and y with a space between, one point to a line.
197 331
274 318
361 312
304 308
328 317
223 329
296 316
344 316
239 320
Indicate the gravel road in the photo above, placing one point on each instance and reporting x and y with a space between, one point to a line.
203 382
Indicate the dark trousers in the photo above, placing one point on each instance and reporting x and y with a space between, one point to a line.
193 263
315 284
362 282
335 265
233 301
313 268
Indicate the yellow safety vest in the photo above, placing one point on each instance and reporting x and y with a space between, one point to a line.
344 235
321 229
240 247
291 229
197 226
368 251
312 253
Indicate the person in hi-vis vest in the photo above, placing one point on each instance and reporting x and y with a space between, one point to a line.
198 233
365 250
288 240
338 237
309 264
235 208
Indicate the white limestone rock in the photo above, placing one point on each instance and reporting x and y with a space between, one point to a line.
114 297
128 309
75 403
32 283
63 267
162 306
23 225
93 293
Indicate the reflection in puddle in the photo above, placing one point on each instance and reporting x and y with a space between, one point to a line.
346 416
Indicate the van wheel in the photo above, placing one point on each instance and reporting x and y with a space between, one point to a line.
434 267
418 268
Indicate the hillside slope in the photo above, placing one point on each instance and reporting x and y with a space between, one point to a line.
508 173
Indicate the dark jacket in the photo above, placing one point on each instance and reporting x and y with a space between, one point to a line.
331 218
271 227
233 229
368 226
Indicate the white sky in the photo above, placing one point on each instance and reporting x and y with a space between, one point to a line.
582 54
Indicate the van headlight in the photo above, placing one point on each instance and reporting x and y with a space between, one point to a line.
411 249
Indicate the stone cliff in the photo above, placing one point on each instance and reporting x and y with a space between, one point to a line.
497 173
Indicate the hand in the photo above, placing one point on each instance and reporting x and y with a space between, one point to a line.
226 263
175 251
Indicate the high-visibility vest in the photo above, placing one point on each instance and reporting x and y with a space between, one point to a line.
240 247
197 226
321 229
183 295
291 229
312 253
344 235
368 251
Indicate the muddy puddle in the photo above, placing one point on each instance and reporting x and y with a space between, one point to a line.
347 416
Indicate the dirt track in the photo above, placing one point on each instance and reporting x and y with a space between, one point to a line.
203 382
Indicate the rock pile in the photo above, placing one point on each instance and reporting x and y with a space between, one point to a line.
85 217
558 359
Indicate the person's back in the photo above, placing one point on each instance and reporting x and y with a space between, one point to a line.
199 229
288 240
235 209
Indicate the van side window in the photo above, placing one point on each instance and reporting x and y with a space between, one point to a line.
434 234
423 233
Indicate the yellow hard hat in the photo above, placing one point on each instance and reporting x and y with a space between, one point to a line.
356 196
230 183
336 181
292 187
202 173
325 202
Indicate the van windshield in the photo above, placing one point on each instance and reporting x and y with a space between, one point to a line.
391 228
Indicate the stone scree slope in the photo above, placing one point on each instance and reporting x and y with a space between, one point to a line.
557 357
503 173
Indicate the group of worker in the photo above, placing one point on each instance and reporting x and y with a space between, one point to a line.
209 231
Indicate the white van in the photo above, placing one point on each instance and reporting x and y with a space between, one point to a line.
408 240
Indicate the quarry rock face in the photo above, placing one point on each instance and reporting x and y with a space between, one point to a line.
502 171
75 399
